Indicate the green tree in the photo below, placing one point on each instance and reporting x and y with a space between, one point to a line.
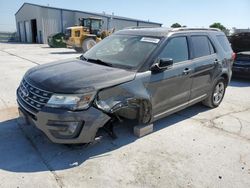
176 25
220 26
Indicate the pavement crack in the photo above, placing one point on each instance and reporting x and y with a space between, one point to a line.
44 161
211 122
230 113
241 125
20 57
213 119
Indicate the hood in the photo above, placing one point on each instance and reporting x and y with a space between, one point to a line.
76 76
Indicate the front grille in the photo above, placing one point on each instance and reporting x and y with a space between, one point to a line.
32 98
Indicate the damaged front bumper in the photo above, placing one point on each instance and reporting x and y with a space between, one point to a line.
67 127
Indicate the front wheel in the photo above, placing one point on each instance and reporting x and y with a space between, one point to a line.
87 44
216 95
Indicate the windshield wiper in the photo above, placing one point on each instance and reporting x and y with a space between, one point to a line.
97 61
83 58
100 62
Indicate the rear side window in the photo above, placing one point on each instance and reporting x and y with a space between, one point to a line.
176 49
202 46
212 51
224 43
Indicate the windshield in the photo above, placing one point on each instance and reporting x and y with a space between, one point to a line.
95 24
85 22
123 50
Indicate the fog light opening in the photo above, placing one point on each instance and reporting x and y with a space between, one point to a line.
65 130
72 127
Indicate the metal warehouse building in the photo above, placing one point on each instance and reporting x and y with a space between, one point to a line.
35 22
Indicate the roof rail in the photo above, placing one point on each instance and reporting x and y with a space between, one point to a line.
188 29
139 27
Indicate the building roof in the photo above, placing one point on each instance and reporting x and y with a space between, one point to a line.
96 14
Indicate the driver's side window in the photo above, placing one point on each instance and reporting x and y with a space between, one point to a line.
176 49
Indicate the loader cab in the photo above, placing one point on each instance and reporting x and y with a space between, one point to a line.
94 25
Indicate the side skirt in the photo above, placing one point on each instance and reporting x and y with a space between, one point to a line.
179 107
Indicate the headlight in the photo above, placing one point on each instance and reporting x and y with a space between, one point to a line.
70 101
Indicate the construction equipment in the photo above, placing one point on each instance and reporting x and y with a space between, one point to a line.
86 34
56 40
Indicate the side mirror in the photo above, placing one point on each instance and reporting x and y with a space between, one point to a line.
162 64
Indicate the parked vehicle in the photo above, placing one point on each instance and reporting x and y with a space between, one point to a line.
86 34
241 45
140 74
57 40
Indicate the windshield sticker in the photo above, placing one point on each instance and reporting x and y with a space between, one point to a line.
152 40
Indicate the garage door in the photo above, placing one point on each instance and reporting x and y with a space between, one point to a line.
22 31
28 32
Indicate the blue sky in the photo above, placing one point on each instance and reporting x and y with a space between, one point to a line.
193 13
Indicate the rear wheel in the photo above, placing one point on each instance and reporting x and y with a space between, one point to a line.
216 96
87 44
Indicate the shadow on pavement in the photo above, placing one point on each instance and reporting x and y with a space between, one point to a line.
26 149
74 52
45 47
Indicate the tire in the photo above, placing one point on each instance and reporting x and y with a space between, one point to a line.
216 95
79 50
87 44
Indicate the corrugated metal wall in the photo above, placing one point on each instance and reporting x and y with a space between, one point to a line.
121 24
68 19
145 24
51 22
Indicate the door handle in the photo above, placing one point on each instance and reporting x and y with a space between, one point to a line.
186 71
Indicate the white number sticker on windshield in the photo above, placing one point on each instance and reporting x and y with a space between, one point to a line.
148 39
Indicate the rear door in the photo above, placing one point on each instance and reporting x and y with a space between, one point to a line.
204 60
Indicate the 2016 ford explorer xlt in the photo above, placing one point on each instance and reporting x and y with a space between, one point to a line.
142 74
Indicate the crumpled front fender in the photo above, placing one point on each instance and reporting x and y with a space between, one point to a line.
128 100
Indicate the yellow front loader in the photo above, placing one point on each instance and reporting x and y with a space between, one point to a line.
86 35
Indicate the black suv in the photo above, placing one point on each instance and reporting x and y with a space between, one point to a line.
241 45
142 74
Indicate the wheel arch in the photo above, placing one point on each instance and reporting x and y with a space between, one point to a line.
128 100
225 77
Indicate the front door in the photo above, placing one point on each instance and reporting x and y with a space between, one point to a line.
170 89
